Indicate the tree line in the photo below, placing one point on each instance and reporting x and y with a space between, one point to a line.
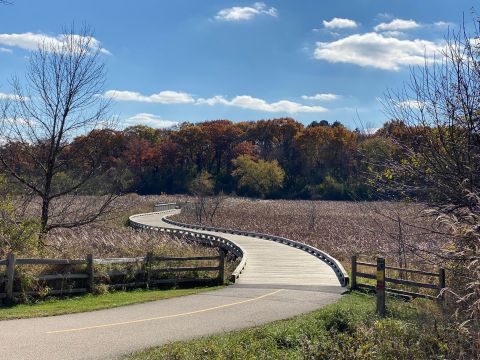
278 158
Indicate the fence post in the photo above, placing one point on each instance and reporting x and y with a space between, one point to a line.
148 267
11 259
380 288
441 282
353 283
221 267
90 272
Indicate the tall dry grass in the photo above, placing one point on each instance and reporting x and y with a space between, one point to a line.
400 232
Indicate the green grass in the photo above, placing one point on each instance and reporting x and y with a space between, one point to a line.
348 329
92 302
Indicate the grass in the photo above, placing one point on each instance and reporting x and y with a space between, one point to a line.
348 329
91 302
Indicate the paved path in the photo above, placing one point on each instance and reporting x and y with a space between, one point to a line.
278 282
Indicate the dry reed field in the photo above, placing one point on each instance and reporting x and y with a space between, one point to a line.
400 232
111 236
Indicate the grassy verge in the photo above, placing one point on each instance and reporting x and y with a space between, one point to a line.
92 302
347 329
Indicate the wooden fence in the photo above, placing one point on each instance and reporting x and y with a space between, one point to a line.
398 276
83 275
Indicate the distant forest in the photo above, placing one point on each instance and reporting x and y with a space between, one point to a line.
278 158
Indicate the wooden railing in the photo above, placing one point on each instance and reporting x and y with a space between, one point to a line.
400 278
83 275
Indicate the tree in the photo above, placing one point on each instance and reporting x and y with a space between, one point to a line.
437 128
261 178
16 233
206 204
58 101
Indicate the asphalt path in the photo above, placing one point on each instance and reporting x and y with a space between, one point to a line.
278 282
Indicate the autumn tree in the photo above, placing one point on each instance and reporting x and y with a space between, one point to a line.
56 102
261 178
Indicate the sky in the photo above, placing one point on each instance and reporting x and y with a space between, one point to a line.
192 60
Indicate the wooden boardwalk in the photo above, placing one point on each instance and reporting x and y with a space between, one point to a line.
269 264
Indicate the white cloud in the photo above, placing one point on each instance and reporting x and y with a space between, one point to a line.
4 96
322 97
393 33
238 13
443 24
251 103
397 24
31 41
5 50
244 101
339 23
369 131
376 50
385 16
410 104
150 120
163 97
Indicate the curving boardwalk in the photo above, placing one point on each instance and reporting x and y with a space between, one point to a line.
277 282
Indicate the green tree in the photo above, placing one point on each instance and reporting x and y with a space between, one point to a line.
16 234
260 178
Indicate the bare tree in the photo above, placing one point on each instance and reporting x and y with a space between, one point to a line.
57 102
437 127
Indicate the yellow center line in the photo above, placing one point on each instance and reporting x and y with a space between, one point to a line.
165 316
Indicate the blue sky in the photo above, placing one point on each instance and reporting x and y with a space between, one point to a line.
192 60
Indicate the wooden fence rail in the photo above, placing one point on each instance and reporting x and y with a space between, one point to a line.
381 286
92 272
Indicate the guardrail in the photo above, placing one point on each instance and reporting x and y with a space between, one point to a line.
337 267
82 275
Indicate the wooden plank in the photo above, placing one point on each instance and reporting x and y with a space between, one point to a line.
380 287
365 275
50 262
119 260
178 269
3 262
411 283
164 258
410 293
353 283
50 277
412 271
398 291
90 272
10 276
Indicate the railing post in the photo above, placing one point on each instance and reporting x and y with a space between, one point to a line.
441 282
148 267
11 259
380 288
353 283
221 267
90 272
